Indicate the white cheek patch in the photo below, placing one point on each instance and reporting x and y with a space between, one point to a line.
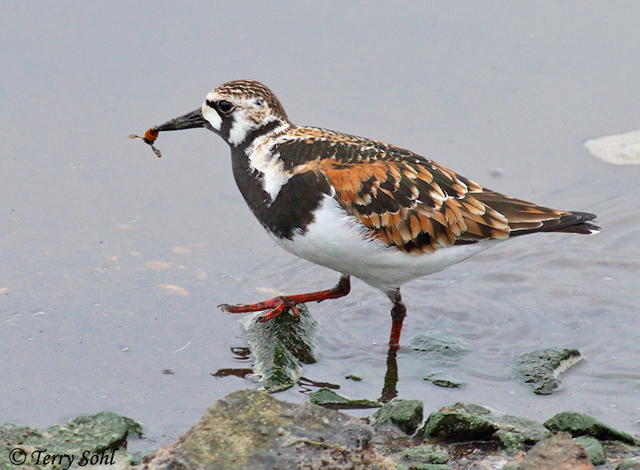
212 116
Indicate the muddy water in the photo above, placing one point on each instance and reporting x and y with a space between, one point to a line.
112 262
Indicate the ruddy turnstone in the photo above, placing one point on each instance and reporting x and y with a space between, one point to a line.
361 207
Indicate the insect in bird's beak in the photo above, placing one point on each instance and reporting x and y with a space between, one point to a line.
191 120
149 138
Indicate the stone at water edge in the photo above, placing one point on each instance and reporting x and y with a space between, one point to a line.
88 435
593 448
468 423
330 399
280 346
540 369
579 424
252 430
558 452
406 414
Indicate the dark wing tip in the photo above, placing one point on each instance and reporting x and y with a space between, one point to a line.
526 217
577 222
568 222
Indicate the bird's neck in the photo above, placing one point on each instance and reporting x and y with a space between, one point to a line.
262 178
257 168
251 182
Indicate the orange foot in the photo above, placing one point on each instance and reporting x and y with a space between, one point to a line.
283 303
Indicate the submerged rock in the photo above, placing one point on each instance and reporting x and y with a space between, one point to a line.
438 346
445 381
330 399
439 354
467 423
540 369
406 414
251 429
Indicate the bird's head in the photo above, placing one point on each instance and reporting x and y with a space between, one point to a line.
233 110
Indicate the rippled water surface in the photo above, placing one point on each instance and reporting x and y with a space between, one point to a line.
112 262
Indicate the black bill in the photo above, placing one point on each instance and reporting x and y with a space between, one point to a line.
190 120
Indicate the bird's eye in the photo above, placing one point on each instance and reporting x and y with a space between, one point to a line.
225 106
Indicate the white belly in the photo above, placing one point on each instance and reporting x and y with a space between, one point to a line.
337 241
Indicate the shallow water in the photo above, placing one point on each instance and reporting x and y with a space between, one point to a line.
112 262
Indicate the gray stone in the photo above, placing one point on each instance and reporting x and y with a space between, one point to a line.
98 437
422 455
558 452
437 358
330 399
406 414
250 429
579 424
593 448
540 369
465 423
437 345
445 381
629 464
426 466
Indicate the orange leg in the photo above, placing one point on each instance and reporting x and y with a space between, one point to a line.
398 312
283 303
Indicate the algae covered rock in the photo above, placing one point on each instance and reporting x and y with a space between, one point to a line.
85 440
406 414
280 346
423 456
250 429
629 464
445 381
540 369
436 345
330 399
579 424
593 448
465 423
440 357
